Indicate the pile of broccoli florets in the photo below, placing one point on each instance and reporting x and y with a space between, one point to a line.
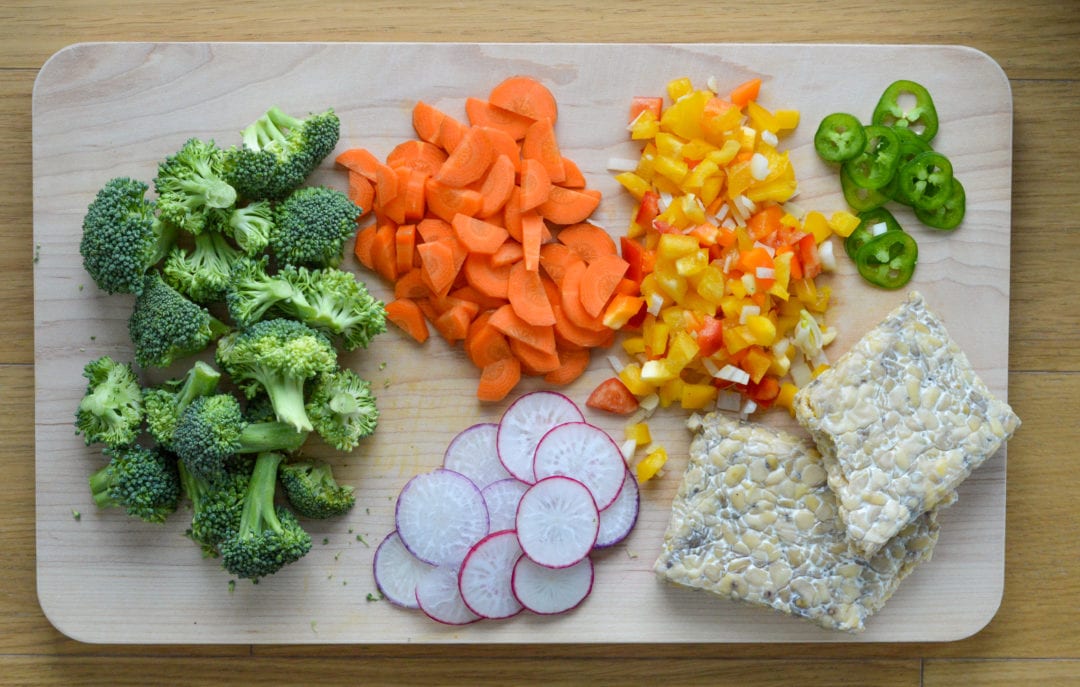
236 261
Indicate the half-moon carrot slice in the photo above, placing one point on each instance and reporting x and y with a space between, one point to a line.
569 206
483 113
468 161
599 281
540 144
525 96
528 297
406 314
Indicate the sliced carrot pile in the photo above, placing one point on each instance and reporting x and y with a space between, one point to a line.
480 223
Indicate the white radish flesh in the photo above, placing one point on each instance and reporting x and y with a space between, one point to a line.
502 500
525 422
484 580
438 596
475 454
551 590
583 452
618 519
440 515
397 571
557 522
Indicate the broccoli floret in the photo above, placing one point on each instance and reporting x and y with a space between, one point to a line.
253 292
250 226
191 188
143 481
216 504
269 537
123 237
204 273
340 305
277 356
213 428
165 325
342 409
312 490
111 412
164 403
279 152
311 227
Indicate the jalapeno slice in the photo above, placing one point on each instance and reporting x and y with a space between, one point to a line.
922 117
910 146
888 260
877 163
839 137
872 223
927 180
857 197
951 212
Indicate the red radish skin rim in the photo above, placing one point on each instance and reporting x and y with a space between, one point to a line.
614 450
486 541
528 561
596 531
524 472
393 540
405 537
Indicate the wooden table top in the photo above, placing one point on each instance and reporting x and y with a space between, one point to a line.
1033 638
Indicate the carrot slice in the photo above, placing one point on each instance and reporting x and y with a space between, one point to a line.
588 241
569 206
404 247
468 161
534 362
540 144
535 184
434 229
361 191
527 296
570 333
498 184
412 189
406 314
571 303
386 183
359 160
411 285
599 282
498 379
384 252
477 235
532 236
555 258
453 323
507 321
451 133
364 239
418 155
526 96
427 121
483 113
470 293
446 201
503 144
574 177
512 214
487 278
437 258
507 254
485 344
572 364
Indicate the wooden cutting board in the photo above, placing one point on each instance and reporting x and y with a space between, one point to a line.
103 110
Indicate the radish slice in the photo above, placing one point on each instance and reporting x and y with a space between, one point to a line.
502 500
618 519
440 515
475 454
525 422
557 522
551 590
484 580
583 452
397 571
438 596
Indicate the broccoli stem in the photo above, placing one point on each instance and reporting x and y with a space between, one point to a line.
282 119
100 482
287 398
258 437
259 513
202 380
209 191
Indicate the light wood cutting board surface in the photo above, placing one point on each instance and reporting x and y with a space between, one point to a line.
102 110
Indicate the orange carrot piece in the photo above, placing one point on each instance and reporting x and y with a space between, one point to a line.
572 364
487 278
434 229
599 281
507 254
745 92
359 160
587 240
526 96
453 323
477 235
571 303
540 144
498 183
386 183
412 185
446 201
427 121
451 133
474 295
411 285
406 314
503 144
570 333
512 214
384 253
574 177
485 344
364 239
527 296
567 206
437 258
498 379
483 113
468 161
404 247
532 236
535 184
418 155
362 192
555 258
507 321
534 362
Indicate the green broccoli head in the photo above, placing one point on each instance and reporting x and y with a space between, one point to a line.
192 191
279 152
269 537
212 429
250 226
204 273
312 490
340 305
143 481
312 225
165 402
122 236
254 292
165 325
342 409
277 356
216 505
111 412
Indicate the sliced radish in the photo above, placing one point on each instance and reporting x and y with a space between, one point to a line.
557 522
551 590
438 596
474 453
502 500
484 580
397 571
583 452
440 515
525 422
618 519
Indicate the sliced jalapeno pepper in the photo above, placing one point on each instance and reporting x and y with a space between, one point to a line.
868 229
927 180
910 146
922 117
877 163
857 197
839 137
951 212
888 260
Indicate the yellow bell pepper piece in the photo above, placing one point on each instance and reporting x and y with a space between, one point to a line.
843 223
644 126
677 88
816 224
649 466
634 345
633 183
697 396
630 375
639 432
786 120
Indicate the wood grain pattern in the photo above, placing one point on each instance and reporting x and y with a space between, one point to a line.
115 93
